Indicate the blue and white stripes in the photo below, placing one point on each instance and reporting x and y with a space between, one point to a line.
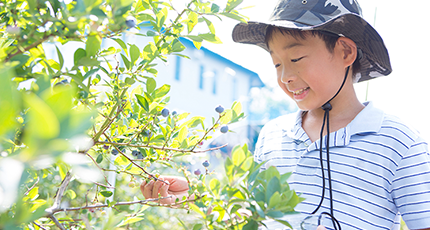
380 168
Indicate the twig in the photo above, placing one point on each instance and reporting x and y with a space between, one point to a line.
40 226
31 188
143 202
137 165
204 136
160 148
60 192
99 168
59 225
111 187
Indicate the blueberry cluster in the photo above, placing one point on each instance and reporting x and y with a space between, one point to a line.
137 154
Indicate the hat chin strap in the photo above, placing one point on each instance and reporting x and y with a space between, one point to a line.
327 107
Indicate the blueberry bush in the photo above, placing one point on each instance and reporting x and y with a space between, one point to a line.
66 129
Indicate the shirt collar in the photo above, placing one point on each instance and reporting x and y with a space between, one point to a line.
369 120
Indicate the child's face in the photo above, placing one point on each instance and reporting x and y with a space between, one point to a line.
306 70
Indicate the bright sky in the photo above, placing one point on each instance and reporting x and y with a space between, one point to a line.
404 26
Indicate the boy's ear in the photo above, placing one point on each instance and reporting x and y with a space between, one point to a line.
349 50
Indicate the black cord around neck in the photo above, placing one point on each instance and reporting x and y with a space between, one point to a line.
327 107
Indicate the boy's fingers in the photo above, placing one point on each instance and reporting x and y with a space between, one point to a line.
147 190
156 188
163 190
142 185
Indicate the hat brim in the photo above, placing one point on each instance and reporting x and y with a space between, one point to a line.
375 61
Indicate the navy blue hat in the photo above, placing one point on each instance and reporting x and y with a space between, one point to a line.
341 17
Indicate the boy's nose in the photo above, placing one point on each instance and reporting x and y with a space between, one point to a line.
287 76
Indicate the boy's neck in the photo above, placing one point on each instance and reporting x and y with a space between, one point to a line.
345 108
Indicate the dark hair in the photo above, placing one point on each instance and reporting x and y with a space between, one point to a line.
329 39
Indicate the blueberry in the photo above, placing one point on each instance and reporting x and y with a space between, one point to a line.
174 113
106 147
135 153
219 109
165 112
130 22
115 152
206 163
140 156
197 172
224 129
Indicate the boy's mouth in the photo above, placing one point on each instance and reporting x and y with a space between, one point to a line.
300 91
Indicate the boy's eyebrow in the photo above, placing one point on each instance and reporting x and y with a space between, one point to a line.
289 46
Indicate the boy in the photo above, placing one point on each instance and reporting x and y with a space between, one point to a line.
362 168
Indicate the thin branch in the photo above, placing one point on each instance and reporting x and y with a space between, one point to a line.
99 168
132 161
143 202
160 148
31 188
40 226
59 225
60 192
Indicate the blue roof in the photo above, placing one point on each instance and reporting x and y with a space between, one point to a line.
255 79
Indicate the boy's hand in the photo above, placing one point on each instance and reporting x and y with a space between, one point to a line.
177 188
321 228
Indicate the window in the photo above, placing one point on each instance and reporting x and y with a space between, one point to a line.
214 86
235 89
202 71
178 68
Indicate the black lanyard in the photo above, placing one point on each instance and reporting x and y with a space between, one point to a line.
327 107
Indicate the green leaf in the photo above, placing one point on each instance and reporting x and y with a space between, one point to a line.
43 122
275 200
215 8
195 208
235 17
238 156
272 187
214 185
161 18
60 57
92 45
251 225
231 4
150 85
127 63
177 46
142 102
121 43
99 158
284 223
79 53
134 54
198 226
106 193
182 134
193 19
10 101
162 91
194 38
211 38
210 25
130 220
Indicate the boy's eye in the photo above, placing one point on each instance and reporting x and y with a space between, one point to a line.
277 65
296 60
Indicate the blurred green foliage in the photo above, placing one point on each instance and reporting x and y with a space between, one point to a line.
65 129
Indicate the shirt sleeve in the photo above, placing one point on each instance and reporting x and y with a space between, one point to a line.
411 186
258 147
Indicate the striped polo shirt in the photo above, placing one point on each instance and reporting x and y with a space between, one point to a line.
380 169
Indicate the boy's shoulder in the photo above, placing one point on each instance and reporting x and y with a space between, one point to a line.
375 121
392 124
282 125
